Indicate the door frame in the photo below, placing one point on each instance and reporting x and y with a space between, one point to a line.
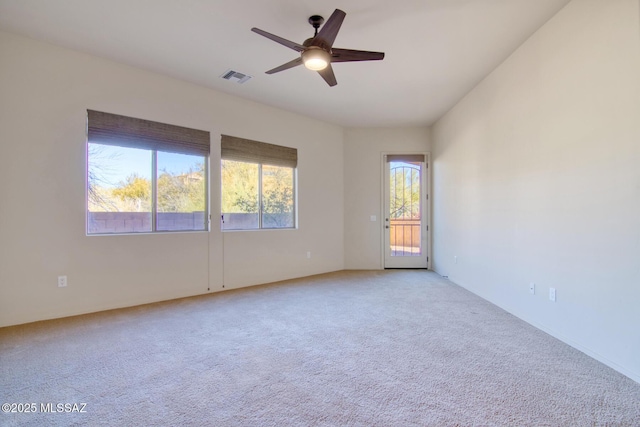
426 222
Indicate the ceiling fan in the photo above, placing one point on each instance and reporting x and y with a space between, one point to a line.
317 53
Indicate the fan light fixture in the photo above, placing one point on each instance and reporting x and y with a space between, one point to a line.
317 53
315 58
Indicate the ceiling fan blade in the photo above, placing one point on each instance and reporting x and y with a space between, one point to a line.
288 43
348 55
290 64
328 76
327 34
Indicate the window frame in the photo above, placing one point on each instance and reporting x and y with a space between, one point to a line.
262 154
260 213
114 130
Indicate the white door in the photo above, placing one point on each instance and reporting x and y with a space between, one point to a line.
405 211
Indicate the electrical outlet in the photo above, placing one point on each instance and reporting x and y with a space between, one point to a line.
62 281
532 288
308 254
552 294
455 259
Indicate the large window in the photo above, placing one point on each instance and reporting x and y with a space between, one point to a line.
145 176
258 185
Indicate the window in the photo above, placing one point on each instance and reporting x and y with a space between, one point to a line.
258 185
145 176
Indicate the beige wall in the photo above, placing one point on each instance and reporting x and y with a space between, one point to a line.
44 93
536 179
363 150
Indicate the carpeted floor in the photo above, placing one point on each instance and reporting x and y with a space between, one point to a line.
367 348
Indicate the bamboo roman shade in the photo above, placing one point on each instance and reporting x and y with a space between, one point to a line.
407 158
246 150
123 131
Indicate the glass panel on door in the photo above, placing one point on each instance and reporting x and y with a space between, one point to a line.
404 209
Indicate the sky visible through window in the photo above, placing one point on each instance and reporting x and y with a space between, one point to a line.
114 164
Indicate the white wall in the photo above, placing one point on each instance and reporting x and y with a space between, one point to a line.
44 93
363 150
537 179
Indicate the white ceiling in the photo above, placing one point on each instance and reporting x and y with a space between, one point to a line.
436 50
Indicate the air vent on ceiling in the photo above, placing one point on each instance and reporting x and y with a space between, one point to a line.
235 76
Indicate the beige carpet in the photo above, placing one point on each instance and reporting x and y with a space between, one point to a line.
384 348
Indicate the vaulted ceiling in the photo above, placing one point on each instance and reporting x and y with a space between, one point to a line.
436 50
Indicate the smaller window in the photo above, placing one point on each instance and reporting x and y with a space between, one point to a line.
258 185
